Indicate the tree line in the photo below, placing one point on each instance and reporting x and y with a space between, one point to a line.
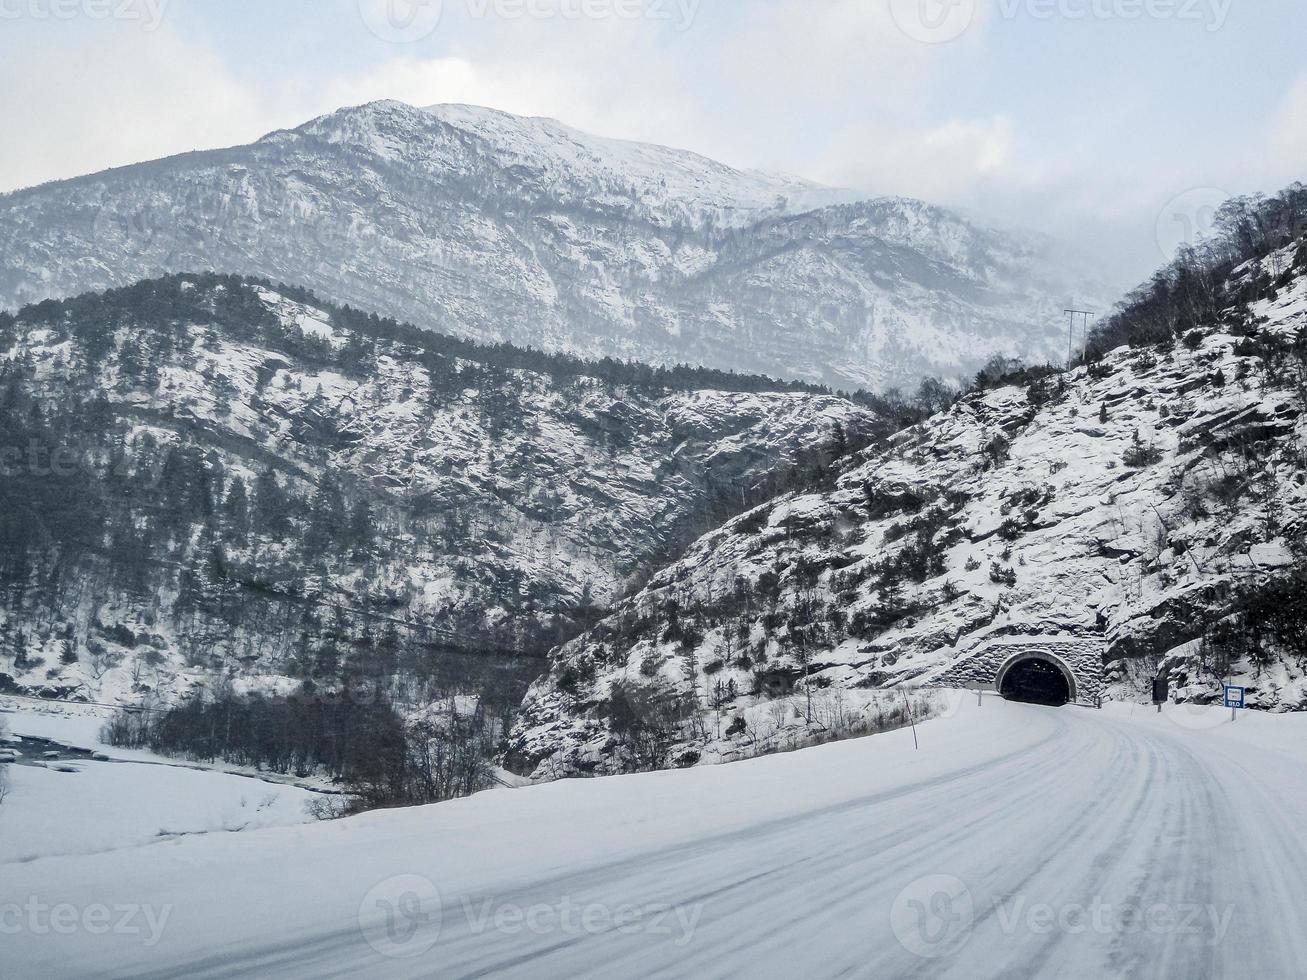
355 736
1196 289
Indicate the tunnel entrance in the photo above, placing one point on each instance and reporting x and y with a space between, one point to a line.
1036 681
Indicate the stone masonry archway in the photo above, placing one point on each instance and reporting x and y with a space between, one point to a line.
1034 668
1038 678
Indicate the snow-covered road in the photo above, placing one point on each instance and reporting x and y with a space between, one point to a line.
1018 841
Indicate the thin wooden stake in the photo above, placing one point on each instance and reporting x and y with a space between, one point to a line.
911 720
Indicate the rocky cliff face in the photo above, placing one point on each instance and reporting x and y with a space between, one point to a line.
1153 500
489 226
208 478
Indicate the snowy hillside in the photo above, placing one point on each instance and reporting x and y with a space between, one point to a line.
207 479
494 227
1152 499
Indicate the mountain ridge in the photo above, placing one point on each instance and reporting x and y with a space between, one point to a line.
485 225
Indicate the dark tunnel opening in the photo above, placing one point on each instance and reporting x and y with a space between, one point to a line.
1036 682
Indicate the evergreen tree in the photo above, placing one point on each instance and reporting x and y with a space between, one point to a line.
271 506
237 510
327 518
839 442
361 525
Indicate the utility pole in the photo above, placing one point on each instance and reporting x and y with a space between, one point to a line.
1072 315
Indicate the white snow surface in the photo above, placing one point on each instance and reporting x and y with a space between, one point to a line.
132 800
1017 841
659 178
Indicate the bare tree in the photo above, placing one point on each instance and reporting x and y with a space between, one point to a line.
100 660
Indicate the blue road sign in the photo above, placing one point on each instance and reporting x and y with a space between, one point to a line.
1234 696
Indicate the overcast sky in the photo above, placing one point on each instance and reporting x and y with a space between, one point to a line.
1114 123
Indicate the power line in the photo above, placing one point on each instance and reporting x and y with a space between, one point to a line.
1071 330
82 704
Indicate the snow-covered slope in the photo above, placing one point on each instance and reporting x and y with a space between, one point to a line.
490 226
1138 500
653 184
215 478
96 798
1016 841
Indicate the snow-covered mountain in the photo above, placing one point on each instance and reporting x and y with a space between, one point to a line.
498 228
1154 500
205 477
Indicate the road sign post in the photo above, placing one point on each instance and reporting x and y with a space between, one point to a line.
1161 691
1234 699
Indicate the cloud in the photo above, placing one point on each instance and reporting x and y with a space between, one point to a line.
759 87
952 161
738 84
603 75
839 92
117 96
513 88
1286 147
